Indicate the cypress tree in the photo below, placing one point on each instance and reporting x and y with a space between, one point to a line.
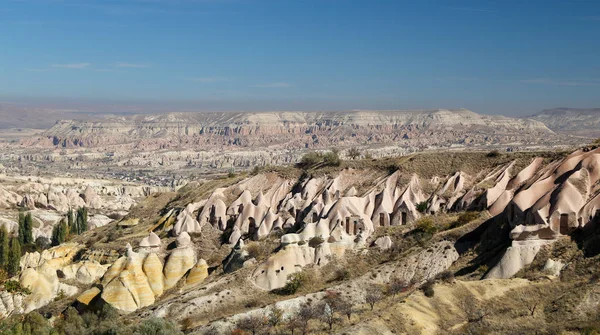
14 257
4 246
59 233
82 220
21 222
28 229
71 222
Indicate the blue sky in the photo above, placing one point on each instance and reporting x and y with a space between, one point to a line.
507 57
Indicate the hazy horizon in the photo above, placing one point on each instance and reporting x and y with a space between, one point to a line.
94 106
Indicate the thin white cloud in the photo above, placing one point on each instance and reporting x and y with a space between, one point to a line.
72 65
274 85
591 18
208 79
456 78
132 65
554 82
37 70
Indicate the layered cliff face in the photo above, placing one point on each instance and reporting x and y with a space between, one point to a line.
293 130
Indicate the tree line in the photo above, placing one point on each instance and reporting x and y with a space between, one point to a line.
13 247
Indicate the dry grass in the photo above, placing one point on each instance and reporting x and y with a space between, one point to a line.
196 191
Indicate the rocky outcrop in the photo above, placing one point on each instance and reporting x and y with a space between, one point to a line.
560 198
180 261
44 285
92 200
383 243
151 241
125 285
137 279
85 272
186 222
198 273
8 198
43 274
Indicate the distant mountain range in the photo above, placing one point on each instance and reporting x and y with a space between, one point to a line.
299 130
573 121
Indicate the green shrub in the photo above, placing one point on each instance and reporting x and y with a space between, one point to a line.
353 153
294 282
463 219
427 289
33 323
493 153
231 173
42 243
315 241
307 280
422 206
332 158
446 276
156 326
259 250
426 225
342 274
312 159
13 286
71 323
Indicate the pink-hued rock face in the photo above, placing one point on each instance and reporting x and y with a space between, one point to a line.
556 200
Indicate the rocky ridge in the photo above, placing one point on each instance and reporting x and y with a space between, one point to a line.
301 130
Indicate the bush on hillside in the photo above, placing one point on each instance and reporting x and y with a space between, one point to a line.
427 289
425 225
353 153
13 286
294 282
463 219
422 206
446 276
493 153
315 241
313 159
156 326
